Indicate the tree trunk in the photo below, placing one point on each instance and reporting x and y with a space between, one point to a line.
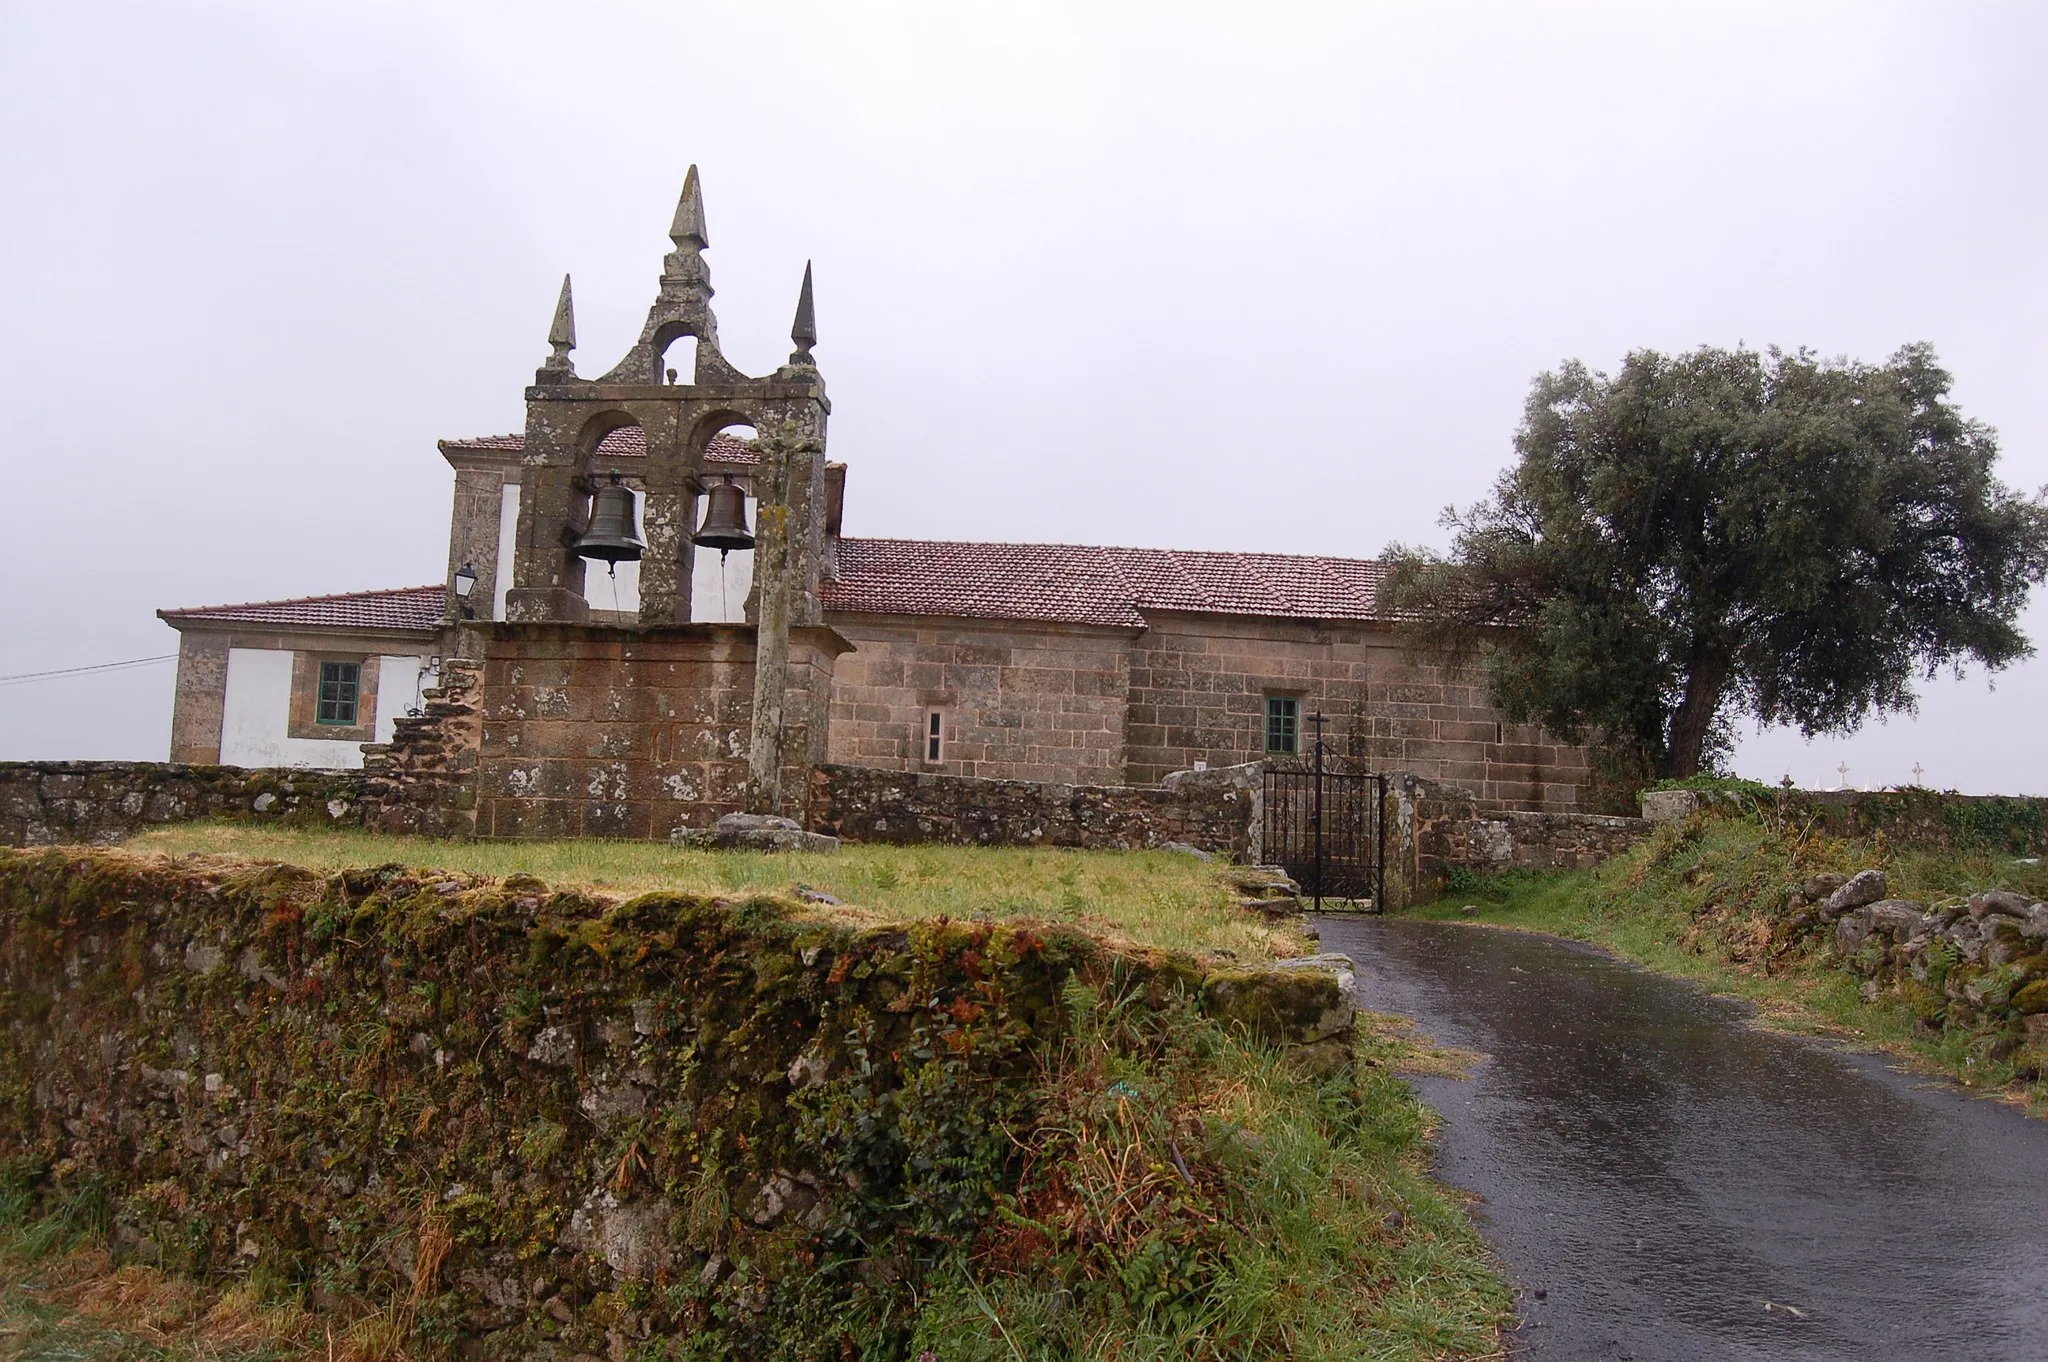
1694 719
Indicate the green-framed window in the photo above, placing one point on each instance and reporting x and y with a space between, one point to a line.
1283 724
340 685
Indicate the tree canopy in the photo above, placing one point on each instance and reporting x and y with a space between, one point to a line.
1729 532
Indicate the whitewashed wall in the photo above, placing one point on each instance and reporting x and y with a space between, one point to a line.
508 542
256 711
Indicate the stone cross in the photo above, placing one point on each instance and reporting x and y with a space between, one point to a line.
1917 773
1843 771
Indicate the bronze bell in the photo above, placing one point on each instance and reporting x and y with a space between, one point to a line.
725 519
612 536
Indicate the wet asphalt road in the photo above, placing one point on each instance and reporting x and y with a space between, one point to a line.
1664 1182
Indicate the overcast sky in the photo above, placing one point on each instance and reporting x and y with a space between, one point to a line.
1224 277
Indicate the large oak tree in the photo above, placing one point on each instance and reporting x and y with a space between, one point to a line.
1720 533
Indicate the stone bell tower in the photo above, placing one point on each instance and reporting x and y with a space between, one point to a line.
677 414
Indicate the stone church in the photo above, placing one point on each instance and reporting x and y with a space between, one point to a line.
732 637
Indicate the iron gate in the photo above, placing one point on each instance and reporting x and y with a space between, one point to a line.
1327 830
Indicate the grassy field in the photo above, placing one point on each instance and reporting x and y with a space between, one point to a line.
1150 898
1703 900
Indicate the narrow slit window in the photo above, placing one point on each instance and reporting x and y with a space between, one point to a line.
931 737
1283 724
340 684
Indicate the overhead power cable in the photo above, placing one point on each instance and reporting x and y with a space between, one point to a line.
23 677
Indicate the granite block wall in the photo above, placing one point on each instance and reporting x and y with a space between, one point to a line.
590 731
1084 705
1198 688
1017 702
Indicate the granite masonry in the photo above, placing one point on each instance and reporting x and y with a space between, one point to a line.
1070 666
1214 811
50 802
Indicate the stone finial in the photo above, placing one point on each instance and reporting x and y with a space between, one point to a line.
687 231
561 338
804 330
562 334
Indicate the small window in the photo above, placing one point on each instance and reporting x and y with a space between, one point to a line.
339 684
1283 724
931 737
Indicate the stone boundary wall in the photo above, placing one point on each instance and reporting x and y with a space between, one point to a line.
303 1075
1215 811
44 803
1931 819
1434 829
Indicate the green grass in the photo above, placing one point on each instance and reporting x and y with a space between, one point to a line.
1704 899
1150 898
1210 1200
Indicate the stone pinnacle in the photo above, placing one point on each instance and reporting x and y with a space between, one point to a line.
804 330
562 335
687 231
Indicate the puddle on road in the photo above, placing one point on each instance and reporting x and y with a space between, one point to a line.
1665 1181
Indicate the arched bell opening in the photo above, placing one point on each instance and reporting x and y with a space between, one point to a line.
612 539
722 572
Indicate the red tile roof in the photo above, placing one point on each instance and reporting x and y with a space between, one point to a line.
411 609
1060 583
627 442
1083 585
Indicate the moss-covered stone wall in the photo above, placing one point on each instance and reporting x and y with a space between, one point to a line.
1929 820
44 803
1435 831
542 1121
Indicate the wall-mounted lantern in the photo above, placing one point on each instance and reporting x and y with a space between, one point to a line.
465 582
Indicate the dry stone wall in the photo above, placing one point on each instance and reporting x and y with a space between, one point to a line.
43 803
1435 829
1215 811
1935 820
424 780
556 1125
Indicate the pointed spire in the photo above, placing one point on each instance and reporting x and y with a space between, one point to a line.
561 340
687 231
562 335
804 330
